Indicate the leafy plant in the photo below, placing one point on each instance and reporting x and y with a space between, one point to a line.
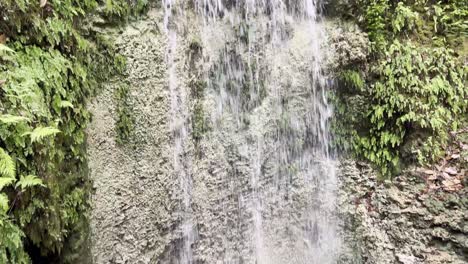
7 165
29 181
376 22
412 83
40 133
404 17
51 62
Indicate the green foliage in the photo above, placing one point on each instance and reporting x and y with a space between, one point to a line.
197 86
39 133
3 198
29 181
417 88
11 248
11 119
7 165
51 63
376 21
125 120
412 82
5 50
449 21
6 181
428 22
353 79
404 17
430 150
199 126
124 9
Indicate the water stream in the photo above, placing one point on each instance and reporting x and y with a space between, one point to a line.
266 93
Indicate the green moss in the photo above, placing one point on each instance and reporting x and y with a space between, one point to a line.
125 121
197 87
199 124
434 206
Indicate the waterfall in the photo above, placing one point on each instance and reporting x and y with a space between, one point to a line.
264 188
179 128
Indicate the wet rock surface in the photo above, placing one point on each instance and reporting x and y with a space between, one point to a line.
137 206
137 212
350 45
401 221
132 217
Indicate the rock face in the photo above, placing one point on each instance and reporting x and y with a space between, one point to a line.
138 213
133 202
401 222
257 191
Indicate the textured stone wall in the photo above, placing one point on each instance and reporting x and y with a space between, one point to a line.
133 201
401 221
137 213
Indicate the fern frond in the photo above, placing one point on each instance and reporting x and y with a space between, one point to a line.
40 133
4 48
353 78
3 203
5 181
29 181
64 104
12 119
6 54
7 164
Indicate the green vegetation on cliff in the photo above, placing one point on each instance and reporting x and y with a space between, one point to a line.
51 62
411 85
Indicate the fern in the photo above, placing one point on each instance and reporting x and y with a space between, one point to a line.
6 53
353 79
5 48
5 181
7 165
11 248
12 119
411 90
403 16
39 133
29 181
3 203
53 69
64 104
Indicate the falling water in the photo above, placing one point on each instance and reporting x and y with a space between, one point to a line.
263 71
179 128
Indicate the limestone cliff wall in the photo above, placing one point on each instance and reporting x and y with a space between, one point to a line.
133 205
401 221
137 213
